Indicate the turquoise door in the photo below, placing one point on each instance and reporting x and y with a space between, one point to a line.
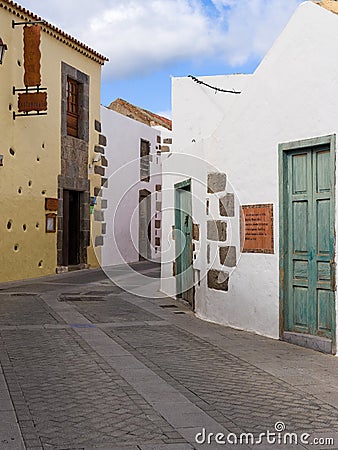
183 242
307 239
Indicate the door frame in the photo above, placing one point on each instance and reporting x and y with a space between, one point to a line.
67 237
144 195
284 149
186 185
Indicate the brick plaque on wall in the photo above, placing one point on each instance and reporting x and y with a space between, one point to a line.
257 229
51 204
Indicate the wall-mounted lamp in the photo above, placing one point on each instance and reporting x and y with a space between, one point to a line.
3 48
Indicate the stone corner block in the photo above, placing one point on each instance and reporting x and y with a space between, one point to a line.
98 241
227 205
217 230
218 279
164 148
227 256
97 126
104 228
216 182
98 149
98 216
102 140
99 170
97 192
196 232
104 161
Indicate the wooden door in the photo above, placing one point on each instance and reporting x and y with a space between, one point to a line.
308 242
71 228
183 242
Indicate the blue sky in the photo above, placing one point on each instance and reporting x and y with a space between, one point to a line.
148 41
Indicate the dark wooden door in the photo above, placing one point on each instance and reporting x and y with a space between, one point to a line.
71 228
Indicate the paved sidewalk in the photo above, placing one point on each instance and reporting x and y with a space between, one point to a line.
87 365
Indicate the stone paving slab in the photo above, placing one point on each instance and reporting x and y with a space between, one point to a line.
239 391
10 434
75 399
113 309
140 377
25 310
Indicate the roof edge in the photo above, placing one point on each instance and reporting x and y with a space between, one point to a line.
139 114
53 31
330 5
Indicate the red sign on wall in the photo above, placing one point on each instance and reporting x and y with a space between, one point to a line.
257 228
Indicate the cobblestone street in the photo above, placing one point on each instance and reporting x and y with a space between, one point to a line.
87 365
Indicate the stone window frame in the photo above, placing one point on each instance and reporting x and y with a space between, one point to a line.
83 80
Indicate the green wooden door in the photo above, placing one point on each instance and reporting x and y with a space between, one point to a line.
183 242
308 241
144 238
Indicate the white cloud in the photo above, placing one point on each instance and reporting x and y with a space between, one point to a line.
251 26
141 36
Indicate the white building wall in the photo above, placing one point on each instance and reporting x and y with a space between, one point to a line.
122 194
290 97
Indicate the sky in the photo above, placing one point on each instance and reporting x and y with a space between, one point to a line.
150 41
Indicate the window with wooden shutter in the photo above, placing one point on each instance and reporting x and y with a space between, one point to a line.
72 108
144 160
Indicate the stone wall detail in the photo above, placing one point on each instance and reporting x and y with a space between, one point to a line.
100 163
227 256
218 280
227 205
195 232
216 182
216 230
221 252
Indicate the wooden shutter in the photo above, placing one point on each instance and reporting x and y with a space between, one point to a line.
72 108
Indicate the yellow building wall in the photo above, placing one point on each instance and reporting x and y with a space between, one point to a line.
31 149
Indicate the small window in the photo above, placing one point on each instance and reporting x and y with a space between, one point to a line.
72 108
144 160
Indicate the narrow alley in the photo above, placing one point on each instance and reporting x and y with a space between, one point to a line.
87 365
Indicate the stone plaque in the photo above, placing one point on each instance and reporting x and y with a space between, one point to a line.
257 229
32 55
32 101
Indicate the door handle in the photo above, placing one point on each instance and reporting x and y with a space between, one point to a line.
311 255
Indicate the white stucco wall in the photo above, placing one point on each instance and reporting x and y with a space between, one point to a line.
122 195
290 97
